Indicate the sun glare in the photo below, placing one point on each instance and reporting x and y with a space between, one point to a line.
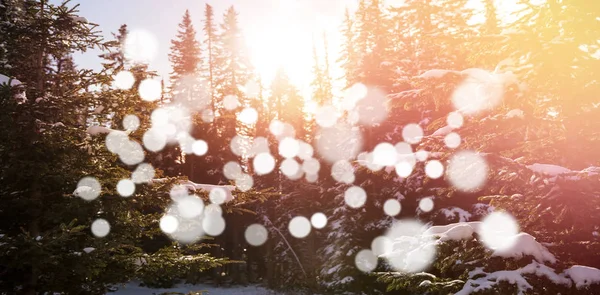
286 41
281 46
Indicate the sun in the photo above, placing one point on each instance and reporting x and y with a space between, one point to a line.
281 45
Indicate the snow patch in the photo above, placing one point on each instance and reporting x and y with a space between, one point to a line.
525 244
5 80
515 113
436 73
96 130
442 131
583 276
548 169
463 215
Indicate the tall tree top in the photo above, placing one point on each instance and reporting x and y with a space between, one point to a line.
185 50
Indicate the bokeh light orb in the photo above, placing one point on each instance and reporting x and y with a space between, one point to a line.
124 80
150 89
140 46
263 163
100 228
125 187
412 251
355 197
168 224
498 231
365 260
318 220
434 169
467 171
256 234
392 207
88 188
426 204
299 227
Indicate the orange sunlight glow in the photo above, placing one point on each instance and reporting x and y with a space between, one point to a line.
286 41
285 46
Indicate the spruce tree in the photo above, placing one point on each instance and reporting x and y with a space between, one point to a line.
185 51
211 35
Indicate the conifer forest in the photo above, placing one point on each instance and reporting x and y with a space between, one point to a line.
274 147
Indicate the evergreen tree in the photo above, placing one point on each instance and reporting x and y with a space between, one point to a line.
211 35
185 52
287 104
46 245
42 243
347 56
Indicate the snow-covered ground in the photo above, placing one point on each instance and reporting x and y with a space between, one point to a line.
135 289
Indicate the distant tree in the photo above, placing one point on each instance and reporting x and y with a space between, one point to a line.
185 51
347 56
211 35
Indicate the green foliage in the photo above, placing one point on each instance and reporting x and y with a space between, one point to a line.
169 265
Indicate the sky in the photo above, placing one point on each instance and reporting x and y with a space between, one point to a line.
278 32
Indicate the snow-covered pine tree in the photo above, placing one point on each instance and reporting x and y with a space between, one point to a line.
347 56
514 140
46 243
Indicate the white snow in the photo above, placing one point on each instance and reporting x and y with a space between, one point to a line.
491 279
543 270
548 169
208 187
587 276
525 244
95 130
515 113
80 19
134 289
5 80
583 276
436 73
88 250
140 261
82 190
442 131
453 231
463 215
439 230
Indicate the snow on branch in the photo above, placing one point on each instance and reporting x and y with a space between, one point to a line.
192 186
96 130
548 169
525 244
5 80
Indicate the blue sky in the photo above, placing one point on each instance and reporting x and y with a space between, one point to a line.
292 23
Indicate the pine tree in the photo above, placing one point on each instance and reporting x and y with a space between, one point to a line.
211 42
44 139
185 51
347 56
46 245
